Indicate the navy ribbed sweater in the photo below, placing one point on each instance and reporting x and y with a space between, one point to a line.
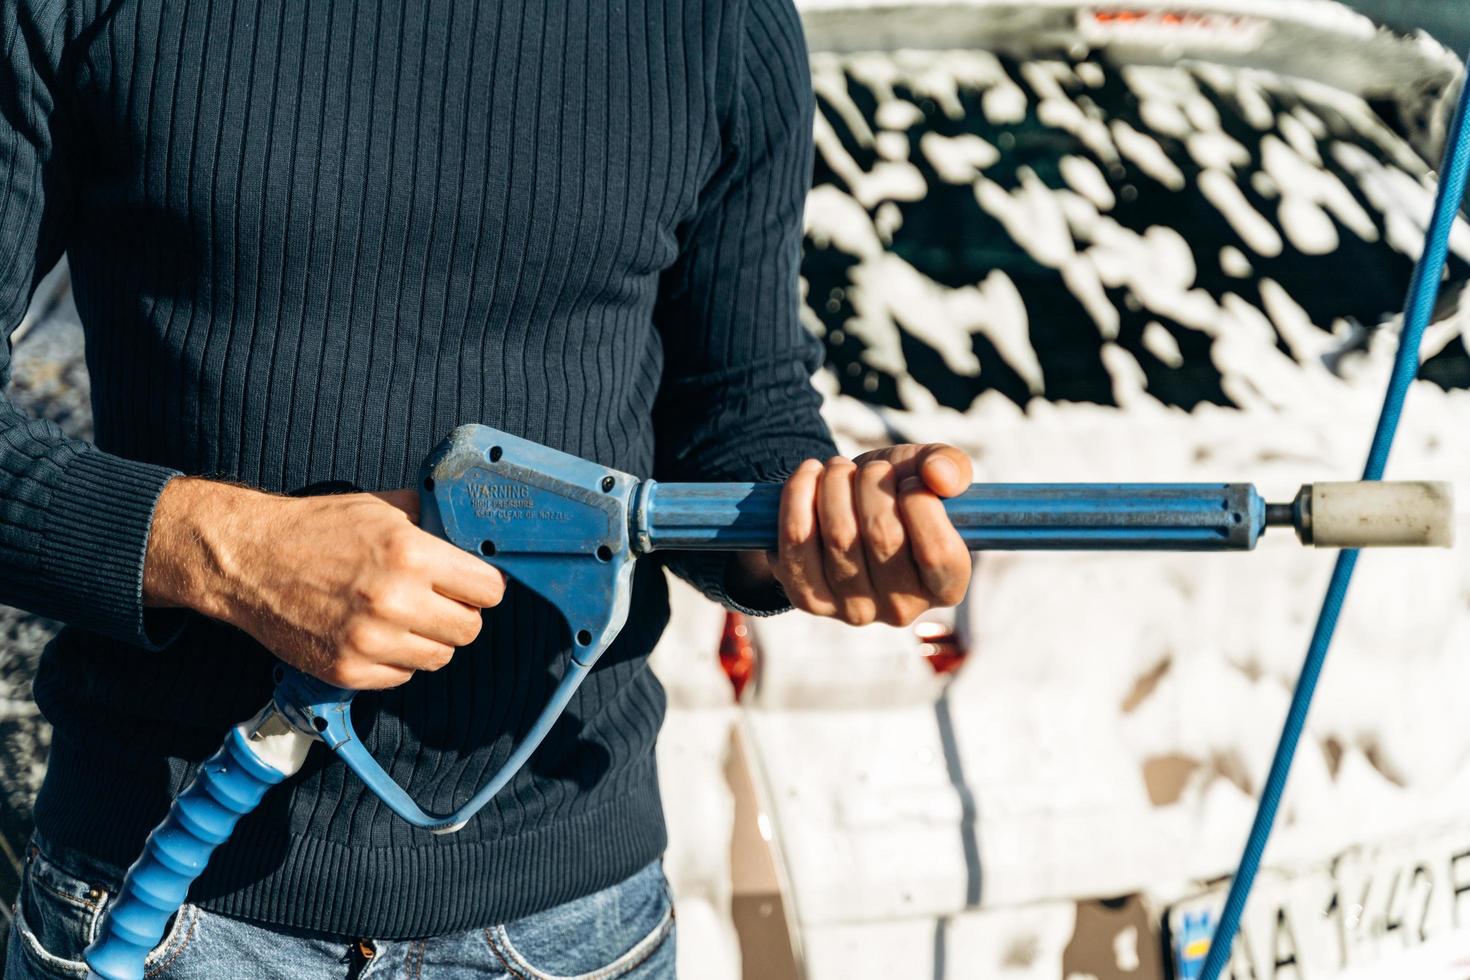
306 241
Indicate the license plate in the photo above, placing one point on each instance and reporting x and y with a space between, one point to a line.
1399 908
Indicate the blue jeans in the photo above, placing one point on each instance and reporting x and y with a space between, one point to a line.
624 931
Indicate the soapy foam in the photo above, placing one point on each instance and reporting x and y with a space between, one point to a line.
1063 643
1090 673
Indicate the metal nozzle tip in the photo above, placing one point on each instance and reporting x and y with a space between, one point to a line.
1280 515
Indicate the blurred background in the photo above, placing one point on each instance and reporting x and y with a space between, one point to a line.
1139 241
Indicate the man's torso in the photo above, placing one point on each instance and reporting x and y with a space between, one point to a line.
306 242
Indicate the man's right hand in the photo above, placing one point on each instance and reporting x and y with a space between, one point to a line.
346 587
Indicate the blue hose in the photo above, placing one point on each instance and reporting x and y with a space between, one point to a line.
1423 293
228 785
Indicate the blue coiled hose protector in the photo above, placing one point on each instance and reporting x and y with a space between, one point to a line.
228 785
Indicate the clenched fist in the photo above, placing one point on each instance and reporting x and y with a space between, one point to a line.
867 539
346 588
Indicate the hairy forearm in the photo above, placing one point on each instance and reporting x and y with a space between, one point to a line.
345 587
192 557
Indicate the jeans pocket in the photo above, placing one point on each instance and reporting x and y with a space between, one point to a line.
605 935
59 914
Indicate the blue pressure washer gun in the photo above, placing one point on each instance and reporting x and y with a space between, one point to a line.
569 530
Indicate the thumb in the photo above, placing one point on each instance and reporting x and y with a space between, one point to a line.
945 470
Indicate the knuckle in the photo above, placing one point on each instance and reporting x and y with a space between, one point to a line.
438 658
794 534
843 573
402 550
840 536
884 537
358 638
840 465
858 613
376 596
387 602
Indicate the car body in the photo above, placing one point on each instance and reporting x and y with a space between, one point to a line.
1118 242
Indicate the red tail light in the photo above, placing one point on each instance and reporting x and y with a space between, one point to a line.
941 646
737 652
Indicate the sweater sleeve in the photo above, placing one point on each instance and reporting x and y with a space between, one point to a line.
736 401
73 520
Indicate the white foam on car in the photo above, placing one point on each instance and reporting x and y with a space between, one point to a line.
1161 344
958 159
1062 640
888 181
1083 176
1032 215
1222 191
1234 263
836 219
1086 671
1217 150
1311 197
1404 202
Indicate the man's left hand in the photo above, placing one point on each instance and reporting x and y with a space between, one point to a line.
867 539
